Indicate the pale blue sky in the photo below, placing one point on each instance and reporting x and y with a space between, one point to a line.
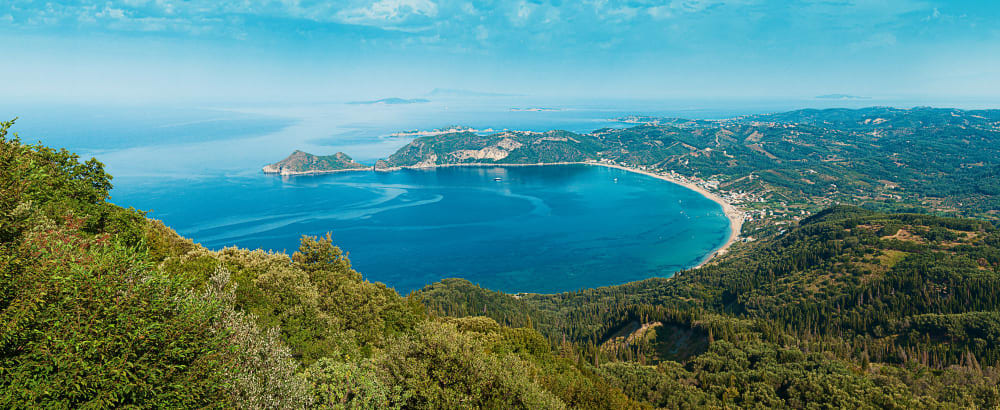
175 50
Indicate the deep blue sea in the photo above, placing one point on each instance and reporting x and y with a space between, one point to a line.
537 229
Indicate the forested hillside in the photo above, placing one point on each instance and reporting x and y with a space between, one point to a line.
298 163
934 157
906 301
516 147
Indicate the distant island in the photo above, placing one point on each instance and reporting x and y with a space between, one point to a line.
841 97
304 163
392 101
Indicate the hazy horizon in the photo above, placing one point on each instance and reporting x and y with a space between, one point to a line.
162 51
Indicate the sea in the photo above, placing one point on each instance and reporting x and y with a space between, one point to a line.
542 229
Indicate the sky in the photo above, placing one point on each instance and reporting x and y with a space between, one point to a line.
307 51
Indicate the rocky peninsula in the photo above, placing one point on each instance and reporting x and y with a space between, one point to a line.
304 163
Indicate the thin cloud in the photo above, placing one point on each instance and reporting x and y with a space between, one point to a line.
389 12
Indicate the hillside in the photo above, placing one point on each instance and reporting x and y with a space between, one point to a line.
510 147
301 163
906 121
904 298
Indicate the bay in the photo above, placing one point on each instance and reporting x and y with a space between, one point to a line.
540 229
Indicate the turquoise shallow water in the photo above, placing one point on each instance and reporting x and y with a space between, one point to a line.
538 229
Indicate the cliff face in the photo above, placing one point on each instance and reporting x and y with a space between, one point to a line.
300 162
512 147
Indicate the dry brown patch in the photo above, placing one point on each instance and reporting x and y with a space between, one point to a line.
758 148
754 137
905 236
630 334
963 238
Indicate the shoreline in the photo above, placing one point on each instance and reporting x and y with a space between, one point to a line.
732 213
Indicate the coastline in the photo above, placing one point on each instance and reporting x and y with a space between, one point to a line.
734 215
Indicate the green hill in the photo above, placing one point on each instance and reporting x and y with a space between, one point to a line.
512 147
302 163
